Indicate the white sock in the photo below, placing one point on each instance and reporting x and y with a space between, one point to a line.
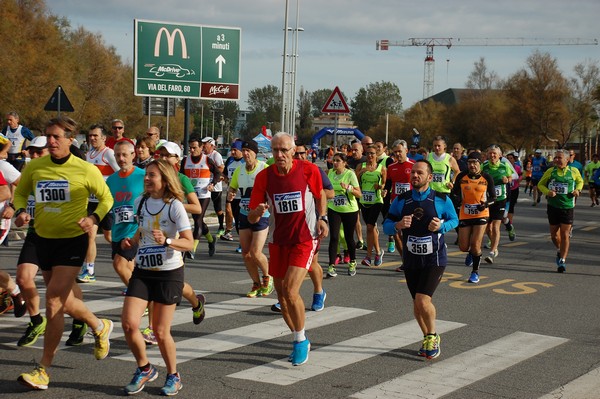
16 291
300 336
90 267
562 260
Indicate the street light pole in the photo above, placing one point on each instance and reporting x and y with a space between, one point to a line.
294 64
284 70
213 123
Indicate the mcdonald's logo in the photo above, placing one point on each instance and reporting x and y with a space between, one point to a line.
170 42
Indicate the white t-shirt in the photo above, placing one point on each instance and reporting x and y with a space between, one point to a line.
11 174
218 160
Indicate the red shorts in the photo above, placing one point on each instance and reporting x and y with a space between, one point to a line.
283 256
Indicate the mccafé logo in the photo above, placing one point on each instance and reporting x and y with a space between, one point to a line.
170 42
214 90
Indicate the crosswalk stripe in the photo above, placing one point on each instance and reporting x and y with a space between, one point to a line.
222 341
442 378
584 387
341 354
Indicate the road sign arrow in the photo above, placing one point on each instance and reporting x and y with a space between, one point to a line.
220 60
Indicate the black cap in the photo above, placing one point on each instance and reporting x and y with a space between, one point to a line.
251 145
475 155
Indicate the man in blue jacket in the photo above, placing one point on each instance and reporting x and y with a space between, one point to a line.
423 215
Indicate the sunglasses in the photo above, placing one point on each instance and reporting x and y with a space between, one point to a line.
300 153
117 127
39 151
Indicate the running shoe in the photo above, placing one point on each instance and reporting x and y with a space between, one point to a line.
488 244
149 337
253 293
227 236
474 279
432 346
352 268
32 333
19 305
562 266
491 256
145 312
359 244
200 312
140 379
239 249
172 385
597 201
400 269
557 258
276 307
85 277
212 247
102 345
6 302
36 379
366 261
379 259
346 256
300 353
189 255
266 286
338 259
331 271
469 260
391 247
318 303
77 333
220 232
422 351
512 234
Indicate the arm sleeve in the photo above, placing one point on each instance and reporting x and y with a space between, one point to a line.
27 133
456 189
491 192
186 184
24 188
577 177
543 183
214 169
446 211
180 216
393 216
110 159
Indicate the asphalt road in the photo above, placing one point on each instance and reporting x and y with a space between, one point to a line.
524 331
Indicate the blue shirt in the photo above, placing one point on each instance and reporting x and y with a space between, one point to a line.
125 189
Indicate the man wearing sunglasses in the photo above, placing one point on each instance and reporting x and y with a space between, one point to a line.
118 132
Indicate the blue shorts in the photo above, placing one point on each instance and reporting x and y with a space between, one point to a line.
263 223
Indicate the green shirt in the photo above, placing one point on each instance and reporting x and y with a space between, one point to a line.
563 182
343 201
590 168
498 171
368 180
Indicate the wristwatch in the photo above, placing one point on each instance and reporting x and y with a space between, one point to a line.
325 219
168 242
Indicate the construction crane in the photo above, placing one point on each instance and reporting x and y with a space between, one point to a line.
430 43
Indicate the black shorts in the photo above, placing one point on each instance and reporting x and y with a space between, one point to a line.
558 216
512 200
497 210
370 213
128 254
164 287
423 280
49 252
263 223
535 181
107 222
473 222
216 200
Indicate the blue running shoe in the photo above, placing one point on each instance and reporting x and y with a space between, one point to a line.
391 247
379 259
319 301
172 385
139 380
276 307
300 353
432 346
469 260
562 266
474 279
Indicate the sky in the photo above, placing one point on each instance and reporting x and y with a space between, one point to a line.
337 44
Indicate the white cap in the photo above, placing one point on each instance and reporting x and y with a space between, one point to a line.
38 142
172 148
538 151
208 140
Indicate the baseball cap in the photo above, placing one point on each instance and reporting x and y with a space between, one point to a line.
251 145
413 146
237 145
172 148
38 142
475 155
208 140
538 151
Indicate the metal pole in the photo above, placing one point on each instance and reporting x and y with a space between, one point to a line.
213 124
58 102
168 103
202 120
283 77
294 63
186 125
335 129
149 108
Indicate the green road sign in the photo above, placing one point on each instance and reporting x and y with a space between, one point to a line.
188 61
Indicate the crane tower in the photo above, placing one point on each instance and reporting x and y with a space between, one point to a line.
430 43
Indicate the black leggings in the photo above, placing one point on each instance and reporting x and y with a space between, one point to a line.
199 219
348 220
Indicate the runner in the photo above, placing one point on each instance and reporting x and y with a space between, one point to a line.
293 190
164 233
232 207
425 216
209 148
475 192
62 184
444 166
512 196
561 184
539 164
589 170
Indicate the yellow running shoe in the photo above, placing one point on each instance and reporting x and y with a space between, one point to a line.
102 346
36 379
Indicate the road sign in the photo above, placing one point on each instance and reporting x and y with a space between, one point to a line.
336 103
158 106
186 61
59 101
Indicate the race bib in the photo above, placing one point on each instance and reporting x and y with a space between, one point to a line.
471 209
340 200
245 204
368 196
499 190
52 191
201 192
537 168
438 177
559 188
420 245
124 214
401 188
151 257
288 202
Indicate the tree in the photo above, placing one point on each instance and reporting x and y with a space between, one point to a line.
304 110
584 103
373 102
481 78
265 106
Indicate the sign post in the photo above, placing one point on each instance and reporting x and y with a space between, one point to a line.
336 104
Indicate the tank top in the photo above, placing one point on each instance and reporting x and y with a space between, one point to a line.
199 174
441 173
